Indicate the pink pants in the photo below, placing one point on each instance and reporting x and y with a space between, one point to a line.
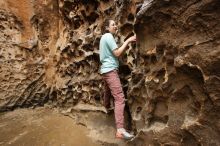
113 86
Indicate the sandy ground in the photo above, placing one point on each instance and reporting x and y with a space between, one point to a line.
41 127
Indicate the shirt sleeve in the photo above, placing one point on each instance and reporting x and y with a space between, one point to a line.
111 42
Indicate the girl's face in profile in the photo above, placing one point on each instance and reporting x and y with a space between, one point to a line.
112 28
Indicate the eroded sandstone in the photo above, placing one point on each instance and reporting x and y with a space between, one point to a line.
49 55
175 72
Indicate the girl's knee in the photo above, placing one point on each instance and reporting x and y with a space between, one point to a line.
120 100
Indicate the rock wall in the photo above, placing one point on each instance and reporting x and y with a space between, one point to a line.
78 65
50 50
49 55
29 32
174 90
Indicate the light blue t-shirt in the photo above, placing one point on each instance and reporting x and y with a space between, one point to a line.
107 58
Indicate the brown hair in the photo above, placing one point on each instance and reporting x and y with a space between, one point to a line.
105 24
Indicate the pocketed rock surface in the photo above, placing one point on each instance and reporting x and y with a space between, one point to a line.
171 76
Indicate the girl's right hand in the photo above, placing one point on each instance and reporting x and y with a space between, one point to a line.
132 38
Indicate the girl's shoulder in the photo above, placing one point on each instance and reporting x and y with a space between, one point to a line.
107 35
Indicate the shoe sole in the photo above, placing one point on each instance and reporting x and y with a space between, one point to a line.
120 136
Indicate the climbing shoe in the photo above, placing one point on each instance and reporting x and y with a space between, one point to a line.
123 134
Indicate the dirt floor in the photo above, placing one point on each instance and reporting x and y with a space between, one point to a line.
41 127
